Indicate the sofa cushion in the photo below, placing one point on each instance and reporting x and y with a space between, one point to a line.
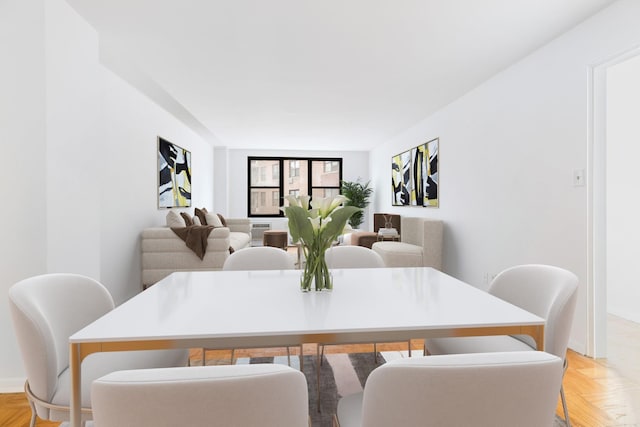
399 254
213 219
200 213
238 240
187 219
224 221
174 219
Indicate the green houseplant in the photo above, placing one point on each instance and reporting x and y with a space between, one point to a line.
358 195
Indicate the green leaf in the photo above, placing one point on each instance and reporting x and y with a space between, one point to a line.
339 218
299 224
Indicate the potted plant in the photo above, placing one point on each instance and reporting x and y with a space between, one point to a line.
358 195
316 229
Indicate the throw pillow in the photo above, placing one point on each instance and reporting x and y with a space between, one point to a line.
212 219
200 213
174 220
187 219
224 221
196 221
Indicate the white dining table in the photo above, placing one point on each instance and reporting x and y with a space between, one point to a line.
243 309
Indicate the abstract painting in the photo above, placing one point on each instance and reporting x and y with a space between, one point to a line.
174 175
430 174
414 176
401 179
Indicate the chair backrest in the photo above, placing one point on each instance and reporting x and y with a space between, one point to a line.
265 395
46 311
259 258
478 389
426 233
349 256
546 291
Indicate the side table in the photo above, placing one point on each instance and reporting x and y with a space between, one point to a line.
275 238
388 235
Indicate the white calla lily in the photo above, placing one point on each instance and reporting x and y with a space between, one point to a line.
293 201
304 201
315 223
336 202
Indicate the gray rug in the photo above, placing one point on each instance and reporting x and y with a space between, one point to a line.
340 375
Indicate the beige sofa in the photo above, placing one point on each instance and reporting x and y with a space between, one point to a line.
420 245
163 252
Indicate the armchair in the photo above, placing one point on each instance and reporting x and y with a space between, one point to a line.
420 245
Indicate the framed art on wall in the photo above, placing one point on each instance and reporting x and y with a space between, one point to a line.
174 175
414 176
401 178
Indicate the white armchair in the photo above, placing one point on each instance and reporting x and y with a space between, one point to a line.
261 395
420 245
547 291
481 390
46 311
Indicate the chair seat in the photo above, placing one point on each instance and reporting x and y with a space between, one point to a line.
461 345
399 254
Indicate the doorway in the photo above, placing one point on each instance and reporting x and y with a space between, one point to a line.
615 97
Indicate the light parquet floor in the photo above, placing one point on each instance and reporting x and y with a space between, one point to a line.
600 392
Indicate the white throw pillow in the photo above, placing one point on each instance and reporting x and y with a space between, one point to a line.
196 221
213 219
175 220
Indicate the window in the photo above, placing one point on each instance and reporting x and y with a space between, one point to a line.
294 176
259 186
331 166
294 168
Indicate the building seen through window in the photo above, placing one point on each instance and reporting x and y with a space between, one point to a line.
289 176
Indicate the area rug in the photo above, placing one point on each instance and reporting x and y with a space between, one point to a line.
340 375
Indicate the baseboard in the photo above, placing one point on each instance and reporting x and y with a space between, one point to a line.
12 385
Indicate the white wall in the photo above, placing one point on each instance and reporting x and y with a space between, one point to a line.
623 201
129 202
355 164
80 147
72 123
22 141
507 154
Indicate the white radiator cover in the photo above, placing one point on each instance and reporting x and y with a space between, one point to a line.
258 229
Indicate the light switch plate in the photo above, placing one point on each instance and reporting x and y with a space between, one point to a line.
578 177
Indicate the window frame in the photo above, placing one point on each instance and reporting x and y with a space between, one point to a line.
281 178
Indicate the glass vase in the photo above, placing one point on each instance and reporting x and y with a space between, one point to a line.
316 272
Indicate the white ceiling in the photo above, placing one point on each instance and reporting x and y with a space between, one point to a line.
324 74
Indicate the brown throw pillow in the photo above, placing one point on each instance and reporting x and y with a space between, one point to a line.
222 220
200 213
187 219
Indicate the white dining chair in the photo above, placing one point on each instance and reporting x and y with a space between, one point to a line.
46 310
480 390
351 256
546 291
260 395
259 258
